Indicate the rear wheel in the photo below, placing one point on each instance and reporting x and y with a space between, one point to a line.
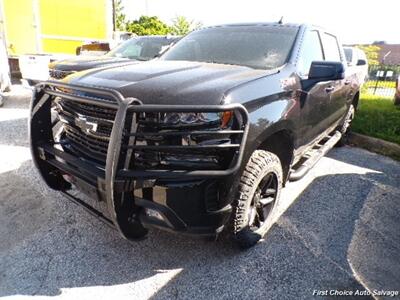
257 197
344 129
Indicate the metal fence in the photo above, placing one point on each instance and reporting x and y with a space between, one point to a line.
381 80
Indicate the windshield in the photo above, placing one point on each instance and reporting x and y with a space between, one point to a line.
259 47
141 48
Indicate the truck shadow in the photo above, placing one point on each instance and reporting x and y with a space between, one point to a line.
340 233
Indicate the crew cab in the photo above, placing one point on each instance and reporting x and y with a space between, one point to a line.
202 140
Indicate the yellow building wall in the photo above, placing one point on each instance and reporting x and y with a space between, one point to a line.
66 24
19 26
62 25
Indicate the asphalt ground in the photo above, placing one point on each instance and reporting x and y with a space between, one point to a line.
339 230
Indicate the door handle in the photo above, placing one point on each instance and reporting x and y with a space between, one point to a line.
329 89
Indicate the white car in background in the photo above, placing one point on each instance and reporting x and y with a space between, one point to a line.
5 78
357 62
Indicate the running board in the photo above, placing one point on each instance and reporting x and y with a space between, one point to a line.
319 151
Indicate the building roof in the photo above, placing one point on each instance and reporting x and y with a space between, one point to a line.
393 58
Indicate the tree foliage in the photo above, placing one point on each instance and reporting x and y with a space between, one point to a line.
372 53
120 17
182 26
148 26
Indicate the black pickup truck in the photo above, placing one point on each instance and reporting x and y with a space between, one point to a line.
202 140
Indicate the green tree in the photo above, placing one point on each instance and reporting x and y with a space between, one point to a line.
372 53
120 17
148 26
182 26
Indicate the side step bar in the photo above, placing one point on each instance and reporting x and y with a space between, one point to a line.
301 171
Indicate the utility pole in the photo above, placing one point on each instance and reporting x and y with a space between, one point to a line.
114 19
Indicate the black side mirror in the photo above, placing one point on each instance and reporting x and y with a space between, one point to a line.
326 70
361 62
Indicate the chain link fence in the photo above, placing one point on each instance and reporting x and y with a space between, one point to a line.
381 80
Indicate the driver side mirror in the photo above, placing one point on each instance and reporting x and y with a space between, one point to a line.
326 70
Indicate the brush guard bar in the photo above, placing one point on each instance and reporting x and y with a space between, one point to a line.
115 179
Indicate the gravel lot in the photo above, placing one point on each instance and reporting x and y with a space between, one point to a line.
339 229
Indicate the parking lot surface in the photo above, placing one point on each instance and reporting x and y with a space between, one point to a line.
339 230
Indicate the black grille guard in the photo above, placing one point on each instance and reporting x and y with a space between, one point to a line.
109 180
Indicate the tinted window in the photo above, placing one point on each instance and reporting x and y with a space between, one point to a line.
140 48
260 47
349 54
331 47
312 51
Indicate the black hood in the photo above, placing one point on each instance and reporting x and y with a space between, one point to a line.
170 82
82 63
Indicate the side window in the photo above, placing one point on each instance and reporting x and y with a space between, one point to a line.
331 47
311 52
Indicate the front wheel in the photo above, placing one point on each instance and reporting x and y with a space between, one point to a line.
258 193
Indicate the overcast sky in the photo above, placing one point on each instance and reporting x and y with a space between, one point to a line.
355 21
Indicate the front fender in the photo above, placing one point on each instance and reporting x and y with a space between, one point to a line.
267 116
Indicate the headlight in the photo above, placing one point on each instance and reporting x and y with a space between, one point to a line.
222 119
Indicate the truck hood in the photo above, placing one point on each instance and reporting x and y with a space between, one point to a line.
86 62
170 82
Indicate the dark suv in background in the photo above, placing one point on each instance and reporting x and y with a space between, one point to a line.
135 49
202 140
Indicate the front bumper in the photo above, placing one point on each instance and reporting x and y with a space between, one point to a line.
179 200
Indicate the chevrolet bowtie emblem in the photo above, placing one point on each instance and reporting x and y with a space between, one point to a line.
85 125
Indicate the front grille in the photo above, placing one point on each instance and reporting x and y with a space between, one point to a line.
89 110
59 74
92 143
86 144
159 141
151 132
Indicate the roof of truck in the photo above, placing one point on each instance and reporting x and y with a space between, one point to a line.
259 24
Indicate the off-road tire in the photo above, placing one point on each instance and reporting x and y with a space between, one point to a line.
260 164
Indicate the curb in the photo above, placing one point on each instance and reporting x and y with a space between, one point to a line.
374 145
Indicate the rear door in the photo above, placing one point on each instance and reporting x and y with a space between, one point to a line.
337 90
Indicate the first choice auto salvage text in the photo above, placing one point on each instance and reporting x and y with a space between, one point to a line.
355 293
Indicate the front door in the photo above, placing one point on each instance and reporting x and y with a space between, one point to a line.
314 100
